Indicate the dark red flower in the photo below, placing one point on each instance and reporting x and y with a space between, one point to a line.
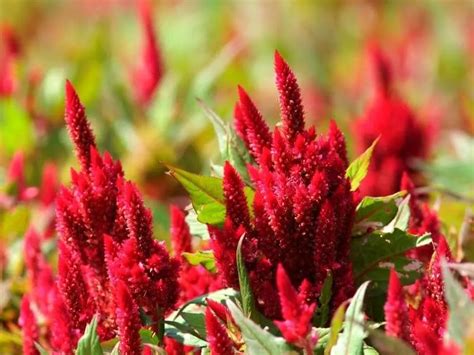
396 310
303 208
297 315
403 138
217 337
30 328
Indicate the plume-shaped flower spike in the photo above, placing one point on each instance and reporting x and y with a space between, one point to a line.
128 320
396 310
290 99
29 326
78 126
217 337
297 315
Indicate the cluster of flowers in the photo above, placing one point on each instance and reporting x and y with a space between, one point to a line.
303 208
109 263
403 139
295 234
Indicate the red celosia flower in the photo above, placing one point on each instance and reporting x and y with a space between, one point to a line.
7 75
29 326
49 184
297 315
16 175
100 202
217 337
148 74
396 310
403 138
303 207
128 320
194 281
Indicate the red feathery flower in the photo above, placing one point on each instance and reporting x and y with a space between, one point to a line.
8 80
219 341
101 202
297 315
128 320
194 281
29 327
78 126
148 74
302 210
396 310
403 138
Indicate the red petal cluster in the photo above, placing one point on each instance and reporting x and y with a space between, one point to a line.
219 341
30 328
100 205
403 138
303 207
194 280
297 315
148 74
421 325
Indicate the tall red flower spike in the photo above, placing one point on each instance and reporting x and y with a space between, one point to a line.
147 76
128 321
217 337
78 126
195 280
101 202
29 327
297 315
403 138
422 220
396 310
303 208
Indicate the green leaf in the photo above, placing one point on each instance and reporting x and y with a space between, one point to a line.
248 303
196 228
202 257
258 340
230 146
89 343
368 350
148 336
461 308
351 340
184 334
388 345
322 312
401 219
336 326
207 195
379 251
358 168
40 349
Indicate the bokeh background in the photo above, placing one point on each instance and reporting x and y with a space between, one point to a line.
207 48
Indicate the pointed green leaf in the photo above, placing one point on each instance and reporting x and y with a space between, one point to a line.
351 340
357 170
336 326
389 345
258 340
89 343
461 308
322 312
202 257
248 304
401 219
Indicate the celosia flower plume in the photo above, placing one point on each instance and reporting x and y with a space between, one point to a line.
217 337
100 205
403 138
303 209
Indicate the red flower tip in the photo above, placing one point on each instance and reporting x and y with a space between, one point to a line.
49 184
382 69
235 199
219 310
219 341
29 327
396 310
128 321
78 126
290 98
179 230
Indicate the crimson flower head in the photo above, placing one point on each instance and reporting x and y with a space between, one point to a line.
102 205
303 208
219 341
194 280
29 327
147 75
404 139
297 315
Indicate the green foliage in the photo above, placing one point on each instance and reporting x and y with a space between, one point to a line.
357 170
258 340
202 257
16 127
351 340
248 303
321 316
89 343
